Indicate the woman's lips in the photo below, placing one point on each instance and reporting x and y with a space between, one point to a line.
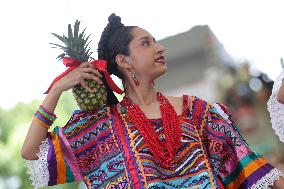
160 60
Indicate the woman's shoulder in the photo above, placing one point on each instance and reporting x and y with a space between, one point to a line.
82 119
175 99
187 98
177 102
102 111
194 102
189 102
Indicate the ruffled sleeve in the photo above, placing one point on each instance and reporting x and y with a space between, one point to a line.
38 169
56 164
276 109
236 165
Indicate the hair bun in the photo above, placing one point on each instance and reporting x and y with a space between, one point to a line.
115 21
113 18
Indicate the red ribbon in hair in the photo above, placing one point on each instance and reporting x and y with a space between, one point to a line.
100 65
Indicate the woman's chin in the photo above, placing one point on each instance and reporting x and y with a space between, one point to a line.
162 72
164 69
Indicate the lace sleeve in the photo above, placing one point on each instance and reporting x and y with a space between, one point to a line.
57 163
276 109
38 169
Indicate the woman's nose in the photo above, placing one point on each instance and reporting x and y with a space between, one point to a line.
160 48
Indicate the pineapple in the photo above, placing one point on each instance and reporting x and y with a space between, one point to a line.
76 46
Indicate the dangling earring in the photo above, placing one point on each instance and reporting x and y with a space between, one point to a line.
134 78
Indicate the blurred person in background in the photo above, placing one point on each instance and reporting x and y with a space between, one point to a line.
148 140
275 105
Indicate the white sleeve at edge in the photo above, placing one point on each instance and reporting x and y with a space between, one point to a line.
276 109
38 169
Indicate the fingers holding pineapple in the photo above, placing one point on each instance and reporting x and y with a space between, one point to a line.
88 71
86 65
89 74
85 85
90 68
79 75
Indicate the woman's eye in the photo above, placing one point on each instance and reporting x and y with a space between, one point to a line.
146 43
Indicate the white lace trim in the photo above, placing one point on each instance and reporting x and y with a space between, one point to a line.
38 169
268 179
276 109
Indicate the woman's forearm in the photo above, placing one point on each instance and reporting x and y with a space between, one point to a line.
37 133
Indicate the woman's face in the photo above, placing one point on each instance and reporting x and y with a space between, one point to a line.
146 55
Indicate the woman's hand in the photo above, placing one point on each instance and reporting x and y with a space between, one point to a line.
37 133
79 76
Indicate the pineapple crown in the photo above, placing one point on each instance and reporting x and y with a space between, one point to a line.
76 44
114 40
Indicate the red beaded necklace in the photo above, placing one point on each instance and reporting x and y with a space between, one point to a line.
164 151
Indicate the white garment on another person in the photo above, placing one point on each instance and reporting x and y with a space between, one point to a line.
276 109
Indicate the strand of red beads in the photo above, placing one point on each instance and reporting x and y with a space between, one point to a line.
163 151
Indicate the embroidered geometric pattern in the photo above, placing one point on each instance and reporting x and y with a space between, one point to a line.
95 149
105 149
190 168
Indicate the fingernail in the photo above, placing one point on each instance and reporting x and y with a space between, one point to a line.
99 74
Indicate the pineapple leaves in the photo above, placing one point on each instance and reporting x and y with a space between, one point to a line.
59 37
76 29
56 45
76 45
82 35
61 56
70 33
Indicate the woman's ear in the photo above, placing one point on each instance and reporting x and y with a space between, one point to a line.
121 61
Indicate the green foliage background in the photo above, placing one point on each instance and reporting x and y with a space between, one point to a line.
14 124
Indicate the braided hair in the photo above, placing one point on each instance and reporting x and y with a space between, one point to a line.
114 40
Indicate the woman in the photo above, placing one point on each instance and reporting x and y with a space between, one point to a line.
275 106
148 140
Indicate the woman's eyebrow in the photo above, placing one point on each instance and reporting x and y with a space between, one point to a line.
147 38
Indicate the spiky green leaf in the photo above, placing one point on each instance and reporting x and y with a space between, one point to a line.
76 28
70 33
76 45
61 38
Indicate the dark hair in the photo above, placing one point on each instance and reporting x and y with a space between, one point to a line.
114 40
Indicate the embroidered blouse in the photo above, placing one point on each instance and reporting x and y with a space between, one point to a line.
276 109
104 149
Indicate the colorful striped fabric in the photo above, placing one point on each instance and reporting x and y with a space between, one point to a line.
236 164
62 164
105 150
